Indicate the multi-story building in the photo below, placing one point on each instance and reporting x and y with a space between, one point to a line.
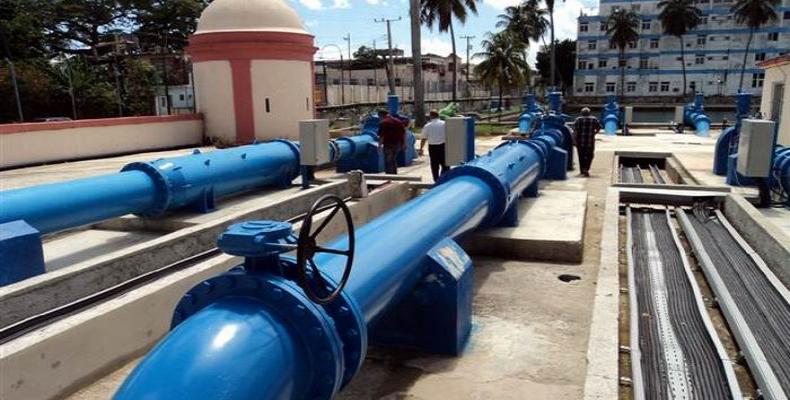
713 52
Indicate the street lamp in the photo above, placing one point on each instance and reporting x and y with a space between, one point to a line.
342 67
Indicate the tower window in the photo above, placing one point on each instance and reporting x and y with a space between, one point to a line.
268 106
664 86
592 44
583 26
589 87
757 80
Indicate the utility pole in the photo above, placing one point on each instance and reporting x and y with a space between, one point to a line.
468 63
376 71
416 63
347 38
391 70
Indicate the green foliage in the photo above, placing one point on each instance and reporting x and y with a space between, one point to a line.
503 63
622 28
678 17
442 12
527 20
36 34
366 57
566 59
755 13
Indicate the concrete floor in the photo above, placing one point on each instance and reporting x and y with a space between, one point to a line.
530 329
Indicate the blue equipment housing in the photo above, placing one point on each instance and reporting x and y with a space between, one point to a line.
611 116
366 154
253 333
727 142
780 172
527 121
694 116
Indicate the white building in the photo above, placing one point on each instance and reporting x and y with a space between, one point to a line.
776 95
714 52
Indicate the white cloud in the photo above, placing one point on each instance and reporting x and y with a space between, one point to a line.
311 23
372 2
501 4
312 4
436 46
341 4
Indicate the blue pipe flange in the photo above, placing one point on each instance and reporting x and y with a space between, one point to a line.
284 298
500 190
334 150
351 144
167 180
349 323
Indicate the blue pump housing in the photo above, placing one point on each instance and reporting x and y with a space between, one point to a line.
727 144
528 119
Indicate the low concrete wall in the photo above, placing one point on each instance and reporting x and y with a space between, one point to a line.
37 143
58 359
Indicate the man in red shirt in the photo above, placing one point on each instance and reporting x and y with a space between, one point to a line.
392 138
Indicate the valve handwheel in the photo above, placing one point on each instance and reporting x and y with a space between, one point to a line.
307 248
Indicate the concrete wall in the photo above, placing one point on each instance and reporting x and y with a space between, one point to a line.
288 86
214 98
34 143
773 76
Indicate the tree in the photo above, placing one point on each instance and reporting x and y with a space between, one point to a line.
167 23
678 17
566 59
416 55
527 21
550 8
503 63
754 14
621 27
78 26
442 13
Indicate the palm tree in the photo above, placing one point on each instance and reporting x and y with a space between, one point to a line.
550 8
441 13
527 21
416 54
754 14
621 27
503 63
678 17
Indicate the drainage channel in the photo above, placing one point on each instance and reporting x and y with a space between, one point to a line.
675 351
752 299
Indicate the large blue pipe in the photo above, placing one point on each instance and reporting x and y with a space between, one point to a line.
727 142
152 188
191 361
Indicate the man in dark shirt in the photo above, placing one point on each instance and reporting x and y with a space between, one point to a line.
392 138
585 128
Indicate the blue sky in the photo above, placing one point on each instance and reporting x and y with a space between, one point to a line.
331 20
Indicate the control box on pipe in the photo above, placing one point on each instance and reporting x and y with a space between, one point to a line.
313 137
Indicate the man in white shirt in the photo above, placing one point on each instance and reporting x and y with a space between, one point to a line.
434 133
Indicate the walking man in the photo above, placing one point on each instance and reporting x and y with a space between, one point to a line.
585 128
392 138
434 133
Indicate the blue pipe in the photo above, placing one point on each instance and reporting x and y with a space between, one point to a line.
694 116
191 362
610 115
529 117
780 171
152 188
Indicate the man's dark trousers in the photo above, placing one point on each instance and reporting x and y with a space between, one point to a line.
586 154
391 160
436 154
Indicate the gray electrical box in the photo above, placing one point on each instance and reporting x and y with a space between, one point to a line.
629 114
314 142
455 141
679 114
755 148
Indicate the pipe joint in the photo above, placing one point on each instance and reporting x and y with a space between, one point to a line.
168 180
308 321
